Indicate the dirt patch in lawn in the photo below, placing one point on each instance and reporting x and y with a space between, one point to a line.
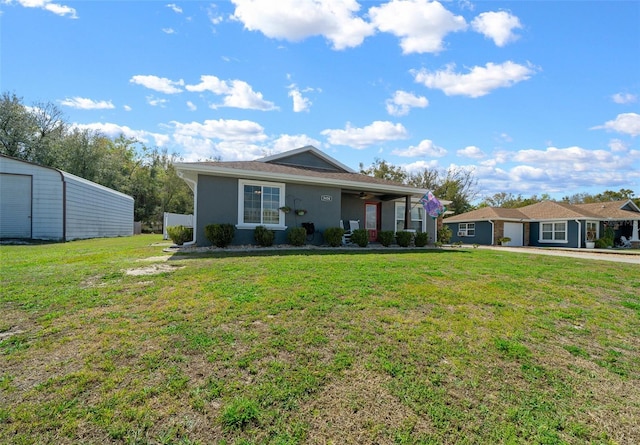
358 409
153 269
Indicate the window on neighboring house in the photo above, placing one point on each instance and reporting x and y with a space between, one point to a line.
417 217
592 230
467 229
551 232
259 204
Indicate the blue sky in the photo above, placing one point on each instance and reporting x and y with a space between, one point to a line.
534 96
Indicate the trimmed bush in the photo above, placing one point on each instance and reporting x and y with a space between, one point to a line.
297 236
385 237
421 239
220 235
333 236
404 238
263 236
360 237
180 234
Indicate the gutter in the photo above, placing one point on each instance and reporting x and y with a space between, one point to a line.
579 232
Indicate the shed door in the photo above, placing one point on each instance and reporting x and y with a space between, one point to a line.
514 231
15 206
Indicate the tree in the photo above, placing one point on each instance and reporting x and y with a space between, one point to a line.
607 195
458 185
510 201
17 126
383 170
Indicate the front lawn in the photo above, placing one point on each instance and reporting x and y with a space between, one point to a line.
115 341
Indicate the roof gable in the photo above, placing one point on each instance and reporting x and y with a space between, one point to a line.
307 157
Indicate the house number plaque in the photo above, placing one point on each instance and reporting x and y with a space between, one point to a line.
326 198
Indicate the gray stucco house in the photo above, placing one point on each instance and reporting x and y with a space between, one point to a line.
547 224
318 189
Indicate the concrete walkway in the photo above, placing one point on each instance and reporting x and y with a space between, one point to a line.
616 255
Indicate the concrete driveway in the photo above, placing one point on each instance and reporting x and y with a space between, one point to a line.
616 255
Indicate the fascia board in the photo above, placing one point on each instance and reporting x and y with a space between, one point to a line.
270 176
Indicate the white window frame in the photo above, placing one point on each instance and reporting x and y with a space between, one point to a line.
554 230
469 229
397 219
597 229
241 224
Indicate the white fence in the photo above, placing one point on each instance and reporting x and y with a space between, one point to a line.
175 219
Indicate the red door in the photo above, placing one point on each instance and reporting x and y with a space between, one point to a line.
372 219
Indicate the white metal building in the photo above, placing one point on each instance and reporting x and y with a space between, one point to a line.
45 203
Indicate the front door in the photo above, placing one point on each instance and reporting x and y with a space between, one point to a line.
372 219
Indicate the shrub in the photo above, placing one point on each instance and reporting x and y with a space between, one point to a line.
360 237
297 236
421 239
180 234
444 234
220 235
333 236
263 236
404 238
385 237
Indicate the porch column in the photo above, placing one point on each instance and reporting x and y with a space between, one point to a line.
407 212
634 233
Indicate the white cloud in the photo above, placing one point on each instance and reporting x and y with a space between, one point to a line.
478 82
359 138
624 98
160 84
168 30
425 148
114 130
127 108
421 25
618 146
82 103
191 106
627 123
300 103
402 102
156 102
471 152
498 26
237 93
175 8
296 20
47 5
420 166
289 142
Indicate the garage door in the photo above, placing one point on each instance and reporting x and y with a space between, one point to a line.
514 231
15 206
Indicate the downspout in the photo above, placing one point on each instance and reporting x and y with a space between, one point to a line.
193 185
579 233
493 233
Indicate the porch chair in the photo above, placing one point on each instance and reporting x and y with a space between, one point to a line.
624 242
353 225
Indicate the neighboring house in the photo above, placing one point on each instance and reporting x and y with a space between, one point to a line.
248 194
547 223
48 204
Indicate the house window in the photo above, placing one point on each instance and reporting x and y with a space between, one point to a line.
259 204
553 232
592 230
417 217
467 229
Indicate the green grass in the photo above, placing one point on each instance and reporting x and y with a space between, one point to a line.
462 346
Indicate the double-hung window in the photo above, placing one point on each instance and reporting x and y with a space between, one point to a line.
259 203
467 229
417 217
553 232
